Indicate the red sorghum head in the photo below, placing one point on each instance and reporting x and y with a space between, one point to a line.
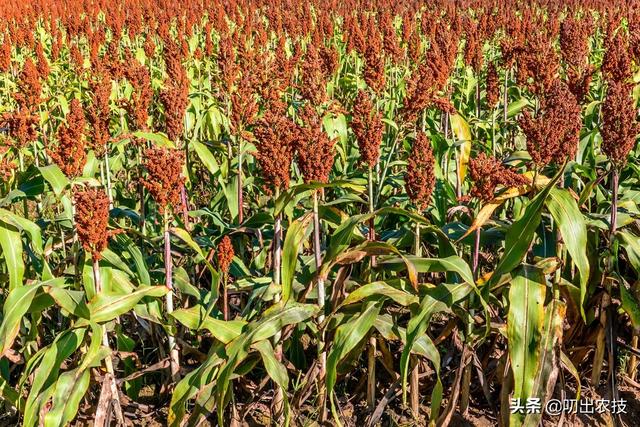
314 148
420 177
275 137
619 127
69 154
225 254
92 219
164 178
487 173
368 128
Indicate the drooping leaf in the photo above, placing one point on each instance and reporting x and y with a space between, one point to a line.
573 228
525 322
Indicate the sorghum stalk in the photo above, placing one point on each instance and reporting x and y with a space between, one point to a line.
108 175
321 291
277 261
371 354
414 379
240 192
174 360
321 300
108 362
466 374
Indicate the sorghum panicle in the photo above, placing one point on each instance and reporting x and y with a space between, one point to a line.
420 177
314 148
225 254
619 127
164 178
488 173
69 154
92 219
368 128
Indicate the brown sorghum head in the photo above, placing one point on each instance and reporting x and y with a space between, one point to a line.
69 153
229 70
313 86
29 87
175 97
43 64
99 115
225 254
92 219
574 41
619 127
5 55
616 64
21 127
373 72
493 86
7 165
420 178
487 173
164 178
314 148
553 135
142 95
275 137
368 128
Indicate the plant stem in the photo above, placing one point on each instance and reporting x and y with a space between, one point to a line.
414 379
108 175
240 193
278 400
108 362
321 300
174 359
371 353
609 325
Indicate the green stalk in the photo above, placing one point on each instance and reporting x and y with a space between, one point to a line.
371 353
108 362
240 192
414 379
278 400
174 359
108 176
317 251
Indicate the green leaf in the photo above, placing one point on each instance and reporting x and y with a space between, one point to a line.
381 288
186 237
439 298
206 157
631 245
16 305
573 228
56 179
274 321
69 390
347 336
520 235
196 318
11 245
452 263
297 233
275 369
158 139
630 305
524 327
105 307
46 372
544 381
462 132
69 300
516 106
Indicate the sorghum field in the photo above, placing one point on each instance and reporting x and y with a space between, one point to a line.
336 212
